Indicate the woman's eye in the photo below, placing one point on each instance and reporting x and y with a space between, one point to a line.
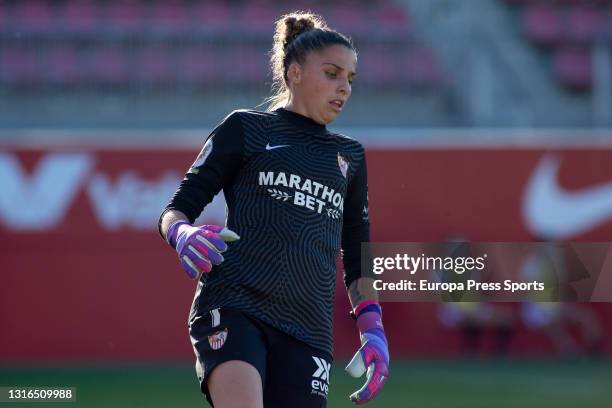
332 74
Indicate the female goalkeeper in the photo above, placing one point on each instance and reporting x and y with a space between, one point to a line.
261 319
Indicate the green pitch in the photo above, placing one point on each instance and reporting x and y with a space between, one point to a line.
418 384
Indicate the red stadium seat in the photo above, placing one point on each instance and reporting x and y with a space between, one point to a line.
420 67
170 16
62 66
108 66
514 3
82 16
349 19
585 23
392 20
20 67
304 5
35 16
213 17
155 67
125 16
259 17
246 66
542 23
4 17
377 67
572 67
199 66
573 3
572 26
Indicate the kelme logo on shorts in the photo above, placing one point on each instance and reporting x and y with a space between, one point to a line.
320 383
217 340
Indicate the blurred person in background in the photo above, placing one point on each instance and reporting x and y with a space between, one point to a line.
261 320
473 320
472 315
549 313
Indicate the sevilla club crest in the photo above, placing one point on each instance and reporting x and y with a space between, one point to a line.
217 340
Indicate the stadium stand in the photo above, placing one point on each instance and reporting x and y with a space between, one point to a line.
150 63
20 67
106 66
132 42
80 17
63 69
36 17
567 30
169 17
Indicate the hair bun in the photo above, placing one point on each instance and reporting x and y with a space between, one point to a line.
296 26
287 29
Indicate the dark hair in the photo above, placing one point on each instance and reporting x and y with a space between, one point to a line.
296 35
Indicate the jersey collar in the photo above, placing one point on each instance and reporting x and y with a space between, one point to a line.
300 120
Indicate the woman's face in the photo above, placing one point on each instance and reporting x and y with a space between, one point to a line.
321 86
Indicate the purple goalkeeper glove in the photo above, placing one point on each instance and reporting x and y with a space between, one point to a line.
373 355
199 248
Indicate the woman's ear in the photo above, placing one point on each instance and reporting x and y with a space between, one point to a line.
294 73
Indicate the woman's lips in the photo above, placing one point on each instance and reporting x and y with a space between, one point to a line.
337 105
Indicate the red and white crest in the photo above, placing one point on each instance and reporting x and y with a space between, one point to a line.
343 164
217 340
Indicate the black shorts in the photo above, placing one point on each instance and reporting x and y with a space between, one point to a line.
293 373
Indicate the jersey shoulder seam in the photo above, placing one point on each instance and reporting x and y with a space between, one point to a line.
347 139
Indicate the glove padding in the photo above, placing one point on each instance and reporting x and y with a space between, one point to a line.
199 247
372 356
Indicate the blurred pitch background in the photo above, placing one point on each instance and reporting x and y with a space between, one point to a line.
480 117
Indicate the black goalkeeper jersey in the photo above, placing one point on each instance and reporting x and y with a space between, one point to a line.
296 194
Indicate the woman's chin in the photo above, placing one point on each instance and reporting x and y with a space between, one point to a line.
329 117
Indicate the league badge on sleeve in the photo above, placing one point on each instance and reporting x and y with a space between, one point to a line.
343 164
217 340
204 153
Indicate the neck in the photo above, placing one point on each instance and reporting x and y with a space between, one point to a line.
300 108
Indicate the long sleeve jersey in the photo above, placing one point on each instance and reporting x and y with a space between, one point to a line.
296 194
